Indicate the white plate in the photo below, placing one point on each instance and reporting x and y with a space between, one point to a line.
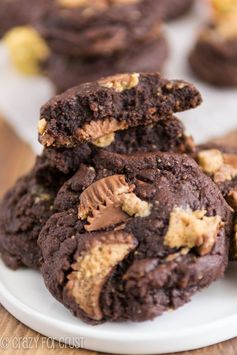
211 317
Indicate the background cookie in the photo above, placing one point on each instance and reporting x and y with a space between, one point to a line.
17 13
24 210
67 71
98 28
177 8
214 57
215 61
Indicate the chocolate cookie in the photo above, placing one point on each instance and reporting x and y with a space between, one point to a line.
214 58
215 61
137 235
67 71
167 135
220 163
98 28
177 8
92 112
23 211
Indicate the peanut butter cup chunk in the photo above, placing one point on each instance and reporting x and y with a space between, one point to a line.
220 163
99 256
134 235
110 201
91 111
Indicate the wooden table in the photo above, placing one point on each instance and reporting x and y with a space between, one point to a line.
15 159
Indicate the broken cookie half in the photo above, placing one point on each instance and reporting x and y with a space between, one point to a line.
93 112
134 236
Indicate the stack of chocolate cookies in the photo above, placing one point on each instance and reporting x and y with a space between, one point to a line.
117 215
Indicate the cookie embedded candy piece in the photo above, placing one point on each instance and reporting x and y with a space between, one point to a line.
190 229
94 110
100 254
220 163
23 211
221 166
110 201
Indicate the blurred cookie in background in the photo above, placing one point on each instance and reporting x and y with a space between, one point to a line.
214 57
177 8
79 41
67 71
98 28
18 12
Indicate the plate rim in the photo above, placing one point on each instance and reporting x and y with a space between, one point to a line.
22 311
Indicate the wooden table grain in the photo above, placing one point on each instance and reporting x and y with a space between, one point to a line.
16 158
